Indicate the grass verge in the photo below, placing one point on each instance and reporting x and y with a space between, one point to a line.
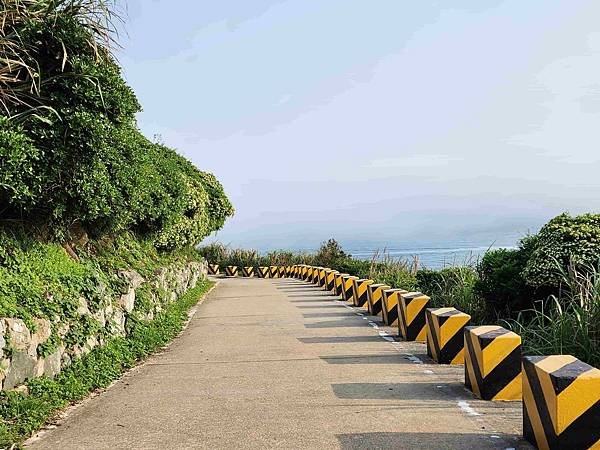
21 414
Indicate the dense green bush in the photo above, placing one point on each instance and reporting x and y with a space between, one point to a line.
81 159
568 323
563 240
501 282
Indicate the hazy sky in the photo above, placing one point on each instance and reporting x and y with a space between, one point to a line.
387 121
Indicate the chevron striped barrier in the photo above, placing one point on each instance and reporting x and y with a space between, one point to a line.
493 363
213 269
359 291
412 316
348 287
311 274
273 271
303 272
316 272
390 306
263 272
248 271
321 277
374 296
339 283
561 403
445 334
281 271
330 280
231 271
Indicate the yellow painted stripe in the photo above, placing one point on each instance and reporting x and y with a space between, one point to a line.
534 416
577 398
414 307
477 350
478 331
549 395
512 391
497 351
543 370
430 341
459 358
452 326
469 368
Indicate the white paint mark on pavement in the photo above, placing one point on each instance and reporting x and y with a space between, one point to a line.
464 405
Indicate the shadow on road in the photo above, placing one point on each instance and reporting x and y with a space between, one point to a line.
428 441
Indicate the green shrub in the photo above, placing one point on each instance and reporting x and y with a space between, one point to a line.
563 239
568 323
81 158
501 282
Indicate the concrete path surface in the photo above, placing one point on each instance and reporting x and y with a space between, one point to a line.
281 364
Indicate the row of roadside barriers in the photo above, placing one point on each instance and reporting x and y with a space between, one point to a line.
560 394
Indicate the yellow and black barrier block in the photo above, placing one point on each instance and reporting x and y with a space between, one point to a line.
325 275
281 270
213 269
445 334
493 363
310 274
390 306
339 283
316 275
322 276
263 272
303 272
412 307
248 271
348 287
359 291
374 298
274 271
561 403
330 280
231 271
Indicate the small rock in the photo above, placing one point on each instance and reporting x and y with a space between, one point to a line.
19 334
23 389
41 335
135 279
22 367
52 364
83 309
2 339
127 301
39 367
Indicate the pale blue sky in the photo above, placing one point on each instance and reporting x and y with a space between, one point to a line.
385 121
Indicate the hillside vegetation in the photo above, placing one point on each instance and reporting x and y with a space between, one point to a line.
98 224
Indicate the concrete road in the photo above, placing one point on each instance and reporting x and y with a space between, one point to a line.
281 364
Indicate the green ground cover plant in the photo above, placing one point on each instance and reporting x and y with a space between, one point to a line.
21 414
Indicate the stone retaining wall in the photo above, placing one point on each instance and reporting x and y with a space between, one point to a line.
20 347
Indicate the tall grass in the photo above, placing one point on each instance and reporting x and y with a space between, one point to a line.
568 323
21 78
396 272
